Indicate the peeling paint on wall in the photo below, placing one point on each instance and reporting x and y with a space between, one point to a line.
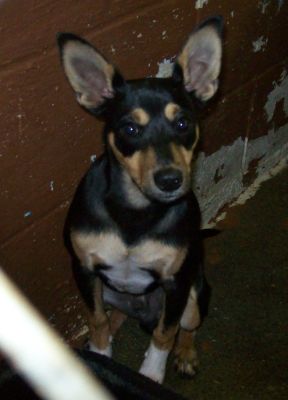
263 4
279 92
225 164
200 4
260 44
280 4
165 68
93 158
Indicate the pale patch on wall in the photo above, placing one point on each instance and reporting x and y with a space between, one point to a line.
225 165
280 4
200 4
165 68
263 4
279 92
260 44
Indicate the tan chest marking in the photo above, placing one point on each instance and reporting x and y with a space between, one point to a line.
109 249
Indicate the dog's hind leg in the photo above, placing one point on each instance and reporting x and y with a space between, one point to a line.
185 352
99 326
116 319
90 288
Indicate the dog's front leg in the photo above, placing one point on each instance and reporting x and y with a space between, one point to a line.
154 364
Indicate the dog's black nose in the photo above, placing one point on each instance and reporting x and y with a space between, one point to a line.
168 180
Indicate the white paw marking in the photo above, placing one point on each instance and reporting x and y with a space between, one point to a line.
105 352
154 364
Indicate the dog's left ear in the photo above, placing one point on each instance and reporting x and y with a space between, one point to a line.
92 77
199 62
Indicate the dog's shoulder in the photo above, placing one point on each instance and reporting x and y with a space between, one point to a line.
87 209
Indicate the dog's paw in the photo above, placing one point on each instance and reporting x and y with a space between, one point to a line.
105 352
186 362
154 364
151 373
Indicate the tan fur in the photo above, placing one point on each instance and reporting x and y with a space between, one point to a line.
163 338
171 110
134 195
82 51
190 319
185 352
116 319
139 165
93 249
98 320
182 156
206 87
140 116
165 260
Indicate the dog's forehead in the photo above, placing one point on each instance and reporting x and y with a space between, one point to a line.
152 95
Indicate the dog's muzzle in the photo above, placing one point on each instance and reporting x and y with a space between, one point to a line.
168 180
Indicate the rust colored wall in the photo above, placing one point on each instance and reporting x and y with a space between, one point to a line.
47 141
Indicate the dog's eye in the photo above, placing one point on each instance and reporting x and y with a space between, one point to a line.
129 129
182 124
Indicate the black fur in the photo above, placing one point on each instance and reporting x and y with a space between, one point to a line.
102 202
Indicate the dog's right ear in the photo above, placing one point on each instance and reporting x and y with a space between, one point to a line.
93 79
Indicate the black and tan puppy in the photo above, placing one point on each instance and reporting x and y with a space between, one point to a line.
134 224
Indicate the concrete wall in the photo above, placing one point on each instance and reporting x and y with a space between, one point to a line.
47 141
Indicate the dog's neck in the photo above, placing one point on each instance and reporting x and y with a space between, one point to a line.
123 191
127 205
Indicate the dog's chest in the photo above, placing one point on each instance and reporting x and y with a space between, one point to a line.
128 266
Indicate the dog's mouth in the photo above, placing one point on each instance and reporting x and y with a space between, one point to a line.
162 197
164 188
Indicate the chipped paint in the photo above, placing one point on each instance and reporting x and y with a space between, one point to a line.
263 4
27 214
279 93
165 68
252 189
93 158
164 35
51 185
227 163
260 44
82 332
200 4
280 4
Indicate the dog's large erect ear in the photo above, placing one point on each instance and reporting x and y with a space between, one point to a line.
90 75
200 59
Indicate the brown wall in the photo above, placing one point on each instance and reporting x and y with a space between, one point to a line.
46 140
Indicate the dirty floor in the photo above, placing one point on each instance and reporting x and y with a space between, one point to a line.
243 343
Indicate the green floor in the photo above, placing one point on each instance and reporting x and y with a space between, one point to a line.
243 343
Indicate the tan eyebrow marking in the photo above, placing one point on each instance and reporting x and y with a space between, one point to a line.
140 116
170 111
